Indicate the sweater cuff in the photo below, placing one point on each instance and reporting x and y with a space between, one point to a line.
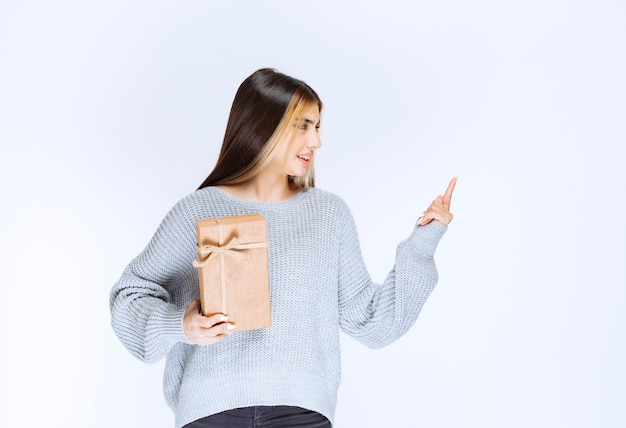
171 326
424 239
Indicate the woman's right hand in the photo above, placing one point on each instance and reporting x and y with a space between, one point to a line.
203 330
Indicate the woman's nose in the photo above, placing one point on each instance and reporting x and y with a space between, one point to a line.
315 142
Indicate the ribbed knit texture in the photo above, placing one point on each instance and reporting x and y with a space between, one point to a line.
318 285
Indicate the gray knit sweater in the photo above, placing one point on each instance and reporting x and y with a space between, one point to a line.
318 285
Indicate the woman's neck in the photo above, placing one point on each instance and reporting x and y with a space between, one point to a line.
262 189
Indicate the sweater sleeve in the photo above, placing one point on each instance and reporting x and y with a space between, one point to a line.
374 314
147 303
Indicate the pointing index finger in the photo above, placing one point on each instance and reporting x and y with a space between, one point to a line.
447 197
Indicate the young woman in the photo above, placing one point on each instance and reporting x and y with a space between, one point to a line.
286 375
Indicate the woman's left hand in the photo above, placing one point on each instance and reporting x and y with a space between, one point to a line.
439 209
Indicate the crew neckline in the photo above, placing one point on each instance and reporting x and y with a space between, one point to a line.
258 204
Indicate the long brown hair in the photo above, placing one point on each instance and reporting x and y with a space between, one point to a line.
264 109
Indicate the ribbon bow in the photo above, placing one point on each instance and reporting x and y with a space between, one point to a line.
208 252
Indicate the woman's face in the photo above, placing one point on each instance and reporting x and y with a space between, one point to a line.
294 152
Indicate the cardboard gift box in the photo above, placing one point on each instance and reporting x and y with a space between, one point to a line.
233 269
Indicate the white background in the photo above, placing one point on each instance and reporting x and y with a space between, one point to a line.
110 112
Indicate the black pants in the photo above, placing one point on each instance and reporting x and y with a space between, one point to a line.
263 417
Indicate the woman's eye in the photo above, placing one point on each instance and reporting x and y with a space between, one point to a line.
304 126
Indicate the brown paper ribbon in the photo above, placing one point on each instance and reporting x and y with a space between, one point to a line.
208 252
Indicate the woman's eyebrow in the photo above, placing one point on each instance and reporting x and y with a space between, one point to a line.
307 120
